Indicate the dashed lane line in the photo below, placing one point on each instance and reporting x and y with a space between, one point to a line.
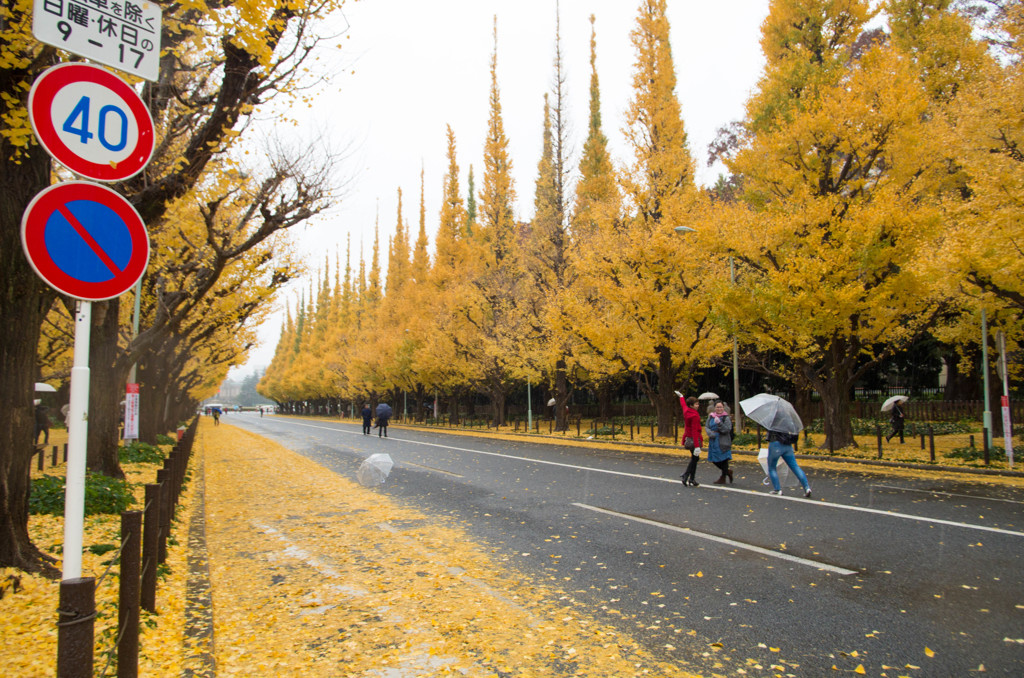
721 540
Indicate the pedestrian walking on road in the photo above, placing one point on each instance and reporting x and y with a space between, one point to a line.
384 413
896 418
692 438
42 423
719 427
780 446
367 418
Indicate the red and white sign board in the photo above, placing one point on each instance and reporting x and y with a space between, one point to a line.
91 121
85 240
131 412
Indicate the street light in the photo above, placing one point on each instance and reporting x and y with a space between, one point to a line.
737 413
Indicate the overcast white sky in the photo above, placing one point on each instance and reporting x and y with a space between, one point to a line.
408 68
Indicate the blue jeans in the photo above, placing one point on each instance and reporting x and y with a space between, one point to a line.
776 451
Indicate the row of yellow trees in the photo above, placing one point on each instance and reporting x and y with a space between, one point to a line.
216 220
873 198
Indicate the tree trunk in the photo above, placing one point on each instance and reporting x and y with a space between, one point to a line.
561 397
604 400
666 401
106 390
24 302
835 400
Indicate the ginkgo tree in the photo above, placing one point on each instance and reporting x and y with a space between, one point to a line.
987 247
844 168
650 317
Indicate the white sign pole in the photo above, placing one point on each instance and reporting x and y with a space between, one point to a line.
1007 427
78 434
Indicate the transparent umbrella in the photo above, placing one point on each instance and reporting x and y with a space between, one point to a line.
887 405
44 388
772 412
374 470
708 395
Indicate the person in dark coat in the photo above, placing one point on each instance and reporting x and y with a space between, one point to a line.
383 415
692 438
896 418
719 427
367 418
42 423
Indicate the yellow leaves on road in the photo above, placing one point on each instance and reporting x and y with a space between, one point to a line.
311 572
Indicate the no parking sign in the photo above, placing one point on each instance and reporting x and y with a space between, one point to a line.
85 240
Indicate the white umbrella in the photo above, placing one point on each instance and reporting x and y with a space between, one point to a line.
887 405
707 395
772 412
551 403
374 470
44 388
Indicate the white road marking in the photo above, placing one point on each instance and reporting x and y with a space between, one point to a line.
720 488
947 494
722 540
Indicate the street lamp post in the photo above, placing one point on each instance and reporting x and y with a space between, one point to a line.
736 412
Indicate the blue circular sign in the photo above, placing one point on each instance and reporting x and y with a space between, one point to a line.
85 240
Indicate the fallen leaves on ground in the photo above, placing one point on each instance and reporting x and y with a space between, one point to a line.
28 617
313 574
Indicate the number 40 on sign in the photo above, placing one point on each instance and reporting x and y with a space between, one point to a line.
91 121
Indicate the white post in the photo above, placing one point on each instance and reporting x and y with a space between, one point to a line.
737 415
1007 427
78 434
131 398
529 408
986 416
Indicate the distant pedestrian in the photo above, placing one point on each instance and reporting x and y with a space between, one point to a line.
692 438
896 418
719 427
384 413
216 416
780 446
367 419
42 423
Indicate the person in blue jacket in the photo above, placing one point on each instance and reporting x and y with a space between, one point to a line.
719 428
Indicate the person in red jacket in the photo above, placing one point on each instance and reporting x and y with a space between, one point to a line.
692 439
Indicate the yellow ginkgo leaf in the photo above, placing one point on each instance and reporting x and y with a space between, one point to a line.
860 669
929 652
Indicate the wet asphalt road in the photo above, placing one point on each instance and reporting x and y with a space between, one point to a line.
875 571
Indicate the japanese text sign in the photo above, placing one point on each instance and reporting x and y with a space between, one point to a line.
123 34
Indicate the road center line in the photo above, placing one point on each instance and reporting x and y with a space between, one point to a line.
675 481
721 540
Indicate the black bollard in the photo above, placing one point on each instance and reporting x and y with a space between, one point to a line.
76 619
984 444
150 547
878 433
931 442
128 595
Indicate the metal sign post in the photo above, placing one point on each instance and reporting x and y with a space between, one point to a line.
78 433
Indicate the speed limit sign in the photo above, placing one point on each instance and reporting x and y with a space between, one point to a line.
91 121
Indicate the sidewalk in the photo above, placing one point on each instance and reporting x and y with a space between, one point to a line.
312 574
